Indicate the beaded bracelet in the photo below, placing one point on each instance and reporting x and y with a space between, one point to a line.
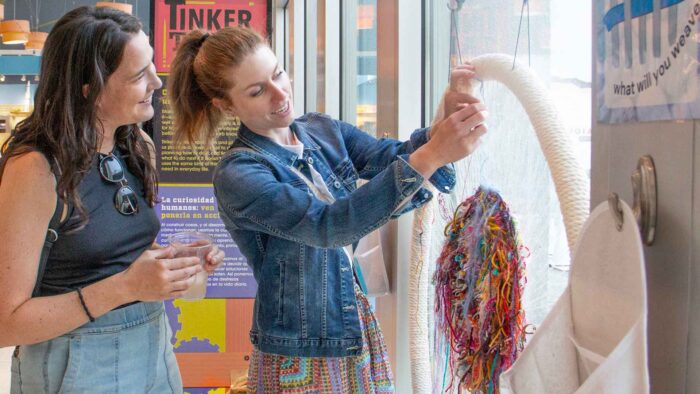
82 302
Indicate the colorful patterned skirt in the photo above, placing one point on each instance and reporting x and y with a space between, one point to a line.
369 372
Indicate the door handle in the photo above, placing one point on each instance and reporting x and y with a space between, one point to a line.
644 207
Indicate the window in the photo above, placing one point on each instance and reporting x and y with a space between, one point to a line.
294 47
359 73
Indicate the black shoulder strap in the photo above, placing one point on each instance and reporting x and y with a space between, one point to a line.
51 237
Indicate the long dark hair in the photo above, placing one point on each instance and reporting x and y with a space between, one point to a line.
84 48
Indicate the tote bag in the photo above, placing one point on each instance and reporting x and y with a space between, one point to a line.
594 340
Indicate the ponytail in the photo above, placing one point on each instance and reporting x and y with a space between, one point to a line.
202 71
196 119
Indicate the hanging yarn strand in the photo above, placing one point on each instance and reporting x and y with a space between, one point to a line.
526 6
479 283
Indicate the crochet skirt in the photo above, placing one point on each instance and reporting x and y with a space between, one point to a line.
369 372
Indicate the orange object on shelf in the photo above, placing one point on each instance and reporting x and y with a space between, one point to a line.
119 6
14 31
36 40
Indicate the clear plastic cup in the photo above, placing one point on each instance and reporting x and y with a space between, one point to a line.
189 244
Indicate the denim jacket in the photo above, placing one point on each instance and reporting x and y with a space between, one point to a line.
305 305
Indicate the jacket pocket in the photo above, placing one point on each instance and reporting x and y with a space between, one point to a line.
280 295
260 242
346 173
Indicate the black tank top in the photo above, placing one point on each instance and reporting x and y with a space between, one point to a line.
109 242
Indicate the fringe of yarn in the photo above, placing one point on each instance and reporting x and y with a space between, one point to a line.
479 282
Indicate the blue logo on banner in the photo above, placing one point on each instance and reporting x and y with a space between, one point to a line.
639 8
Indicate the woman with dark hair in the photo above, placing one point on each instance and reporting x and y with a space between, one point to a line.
82 281
287 194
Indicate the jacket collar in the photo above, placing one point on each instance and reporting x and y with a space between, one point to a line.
266 146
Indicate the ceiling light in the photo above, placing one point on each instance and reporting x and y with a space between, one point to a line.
36 40
14 31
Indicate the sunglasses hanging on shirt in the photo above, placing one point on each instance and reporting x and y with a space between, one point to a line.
111 170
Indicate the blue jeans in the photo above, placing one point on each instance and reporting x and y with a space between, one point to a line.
127 350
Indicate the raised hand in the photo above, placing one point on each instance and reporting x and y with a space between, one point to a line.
461 88
451 139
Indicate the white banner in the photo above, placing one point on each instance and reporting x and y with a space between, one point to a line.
647 59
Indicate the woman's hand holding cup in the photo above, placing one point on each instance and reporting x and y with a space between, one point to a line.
193 243
213 259
157 274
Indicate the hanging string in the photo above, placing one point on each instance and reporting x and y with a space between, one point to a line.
455 34
526 4
33 11
482 91
529 45
31 15
455 45
454 6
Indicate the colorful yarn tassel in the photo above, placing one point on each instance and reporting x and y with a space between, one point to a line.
479 283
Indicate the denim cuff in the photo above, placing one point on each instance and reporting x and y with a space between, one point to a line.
416 198
420 198
409 180
445 177
419 137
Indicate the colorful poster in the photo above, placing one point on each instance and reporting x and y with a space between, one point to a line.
647 60
194 208
210 339
205 390
174 18
196 326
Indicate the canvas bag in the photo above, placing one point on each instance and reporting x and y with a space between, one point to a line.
370 268
594 340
